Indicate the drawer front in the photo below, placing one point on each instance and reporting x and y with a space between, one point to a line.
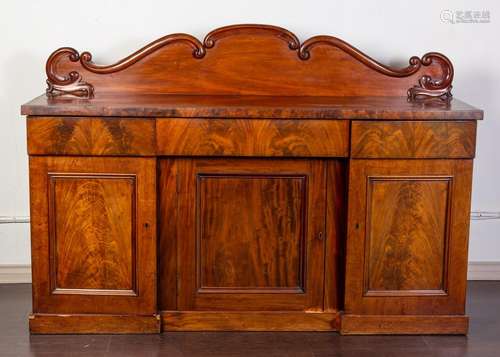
419 139
90 136
255 137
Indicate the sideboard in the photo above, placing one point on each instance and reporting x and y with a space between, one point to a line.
249 182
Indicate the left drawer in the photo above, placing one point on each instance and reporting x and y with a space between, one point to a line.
91 136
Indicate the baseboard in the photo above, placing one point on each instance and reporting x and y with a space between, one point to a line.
404 325
93 324
484 271
249 321
13 274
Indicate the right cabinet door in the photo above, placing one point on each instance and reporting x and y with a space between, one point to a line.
407 241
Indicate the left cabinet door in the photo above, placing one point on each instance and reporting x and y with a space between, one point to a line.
93 235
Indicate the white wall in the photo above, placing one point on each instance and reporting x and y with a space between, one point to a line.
390 31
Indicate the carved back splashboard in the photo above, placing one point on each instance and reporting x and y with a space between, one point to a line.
247 60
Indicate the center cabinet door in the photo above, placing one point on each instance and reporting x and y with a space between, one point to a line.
242 234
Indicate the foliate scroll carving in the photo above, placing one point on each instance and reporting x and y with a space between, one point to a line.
66 84
429 87
73 84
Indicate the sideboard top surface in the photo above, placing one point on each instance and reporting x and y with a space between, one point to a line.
221 106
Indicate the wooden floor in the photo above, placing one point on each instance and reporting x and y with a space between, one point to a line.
483 340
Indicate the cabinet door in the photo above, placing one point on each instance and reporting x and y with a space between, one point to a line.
249 234
407 236
93 235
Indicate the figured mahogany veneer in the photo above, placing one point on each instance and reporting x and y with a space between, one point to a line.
249 182
416 139
230 137
92 136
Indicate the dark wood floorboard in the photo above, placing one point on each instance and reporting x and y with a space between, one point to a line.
483 340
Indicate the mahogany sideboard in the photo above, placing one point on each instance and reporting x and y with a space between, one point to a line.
249 182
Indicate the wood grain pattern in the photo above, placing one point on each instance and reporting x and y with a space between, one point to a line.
225 137
93 241
404 324
190 297
251 232
406 241
90 136
398 139
93 324
249 321
336 221
406 235
113 200
248 59
168 255
258 107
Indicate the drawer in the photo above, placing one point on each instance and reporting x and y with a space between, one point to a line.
413 139
90 136
253 137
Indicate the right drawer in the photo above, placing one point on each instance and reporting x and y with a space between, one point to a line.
413 139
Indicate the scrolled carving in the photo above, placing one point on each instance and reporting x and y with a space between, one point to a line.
70 83
429 87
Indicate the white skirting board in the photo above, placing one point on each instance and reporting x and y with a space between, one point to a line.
483 271
13 274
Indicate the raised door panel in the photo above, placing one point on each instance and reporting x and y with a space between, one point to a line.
251 232
93 230
248 234
92 224
407 236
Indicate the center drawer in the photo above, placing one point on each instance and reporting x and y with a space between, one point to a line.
252 137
